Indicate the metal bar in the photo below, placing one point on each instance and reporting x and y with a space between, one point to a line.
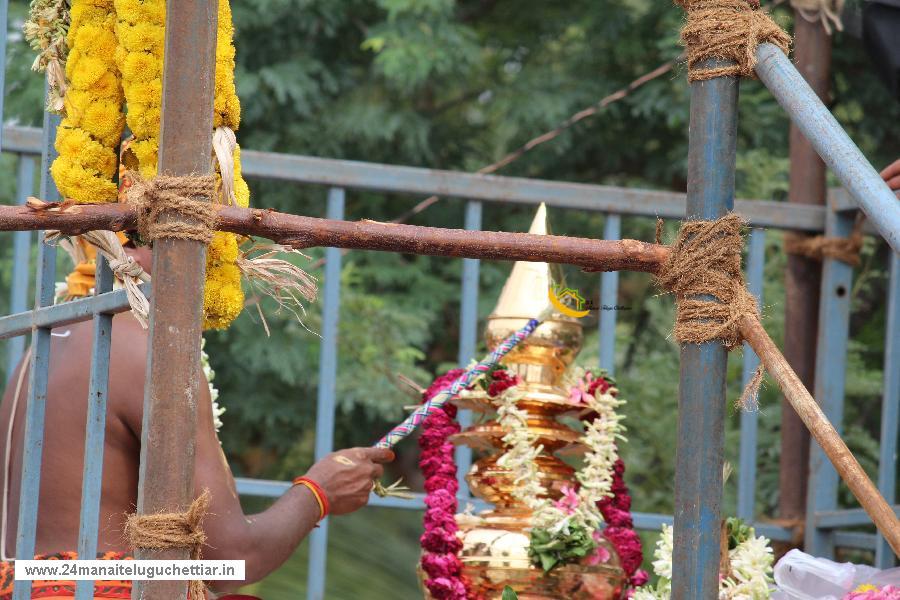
848 517
609 296
834 325
749 418
59 315
179 268
890 409
495 188
701 394
830 141
488 188
325 404
95 432
468 337
35 408
803 276
854 539
266 488
21 260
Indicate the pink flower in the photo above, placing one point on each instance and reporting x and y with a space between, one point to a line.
600 384
639 578
578 393
502 380
439 541
628 545
441 565
568 504
446 588
600 555
888 592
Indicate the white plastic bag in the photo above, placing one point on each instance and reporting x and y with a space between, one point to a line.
799 576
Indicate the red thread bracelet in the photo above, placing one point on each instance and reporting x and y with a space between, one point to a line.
317 492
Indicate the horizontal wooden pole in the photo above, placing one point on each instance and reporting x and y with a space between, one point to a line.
307 232
823 431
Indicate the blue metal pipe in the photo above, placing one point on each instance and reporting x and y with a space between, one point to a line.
489 188
21 261
67 313
35 408
468 337
831 142
609 297
831 365
749 418
701 394
890 409
95 432
326 401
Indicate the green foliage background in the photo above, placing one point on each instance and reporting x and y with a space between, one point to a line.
456 85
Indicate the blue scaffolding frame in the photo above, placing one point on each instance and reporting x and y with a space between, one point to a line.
710 195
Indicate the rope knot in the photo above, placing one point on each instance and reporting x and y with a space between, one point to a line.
126 268
704 274
729 30
168 531
820 247
189 196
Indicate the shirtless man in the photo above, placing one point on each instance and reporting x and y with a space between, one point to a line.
264 540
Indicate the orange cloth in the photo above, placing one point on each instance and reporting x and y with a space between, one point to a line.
59 590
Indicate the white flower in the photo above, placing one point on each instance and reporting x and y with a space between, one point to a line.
662 566
601 437
217 411
751 570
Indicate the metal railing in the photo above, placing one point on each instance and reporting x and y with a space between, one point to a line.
823 521
476 190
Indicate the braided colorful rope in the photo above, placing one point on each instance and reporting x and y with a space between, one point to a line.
462 382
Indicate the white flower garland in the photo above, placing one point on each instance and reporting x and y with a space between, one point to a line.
217 410
601 438
750 577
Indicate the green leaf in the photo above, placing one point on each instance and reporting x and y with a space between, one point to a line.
509 594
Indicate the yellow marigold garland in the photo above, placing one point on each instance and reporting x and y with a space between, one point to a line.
141 32
90 132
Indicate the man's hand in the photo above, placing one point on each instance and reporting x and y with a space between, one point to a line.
891 175
347 476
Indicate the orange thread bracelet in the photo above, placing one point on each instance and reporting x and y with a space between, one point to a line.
317 492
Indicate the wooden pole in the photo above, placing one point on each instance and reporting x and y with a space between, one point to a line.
803 276
172 389
306 232
823 431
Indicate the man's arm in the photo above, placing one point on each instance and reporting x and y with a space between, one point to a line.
264 540
267 539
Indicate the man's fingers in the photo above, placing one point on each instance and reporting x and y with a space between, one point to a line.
891 170
894 182
377 471
378 455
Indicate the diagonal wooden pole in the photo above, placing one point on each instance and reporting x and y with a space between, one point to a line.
822 430
179 267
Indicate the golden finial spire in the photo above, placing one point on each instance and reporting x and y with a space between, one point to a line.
524 295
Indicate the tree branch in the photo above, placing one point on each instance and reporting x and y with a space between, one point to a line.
307 232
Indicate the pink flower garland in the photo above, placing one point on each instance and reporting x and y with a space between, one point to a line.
440 545
616 511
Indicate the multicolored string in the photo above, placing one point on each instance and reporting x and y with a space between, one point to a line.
462 382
